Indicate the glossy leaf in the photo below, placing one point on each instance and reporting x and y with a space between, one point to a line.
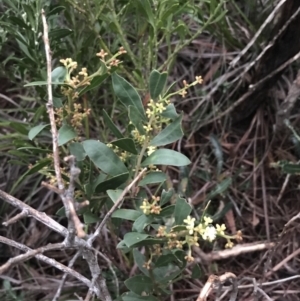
170 134
58 74
114 194
90 218
132 238
109 123
126 93
136 119
182 210
104 157
127 214
142 222
65 134
170 112
167 211
57 34
95 82
77 150
139 284
166 196
153 178
112 183
126 144
36 130
140 260
157 83
166 157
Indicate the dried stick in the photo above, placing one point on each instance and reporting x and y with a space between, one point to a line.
63 280
23 257
114 207
67 197
51 262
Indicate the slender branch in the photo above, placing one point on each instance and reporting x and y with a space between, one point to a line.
51 262
114 207
63 280
14 219
29 254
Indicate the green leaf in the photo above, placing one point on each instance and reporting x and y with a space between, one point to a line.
136 119
219 189
139 284
104 157
153 178
57 34
166 196
76 149
109 123
170 134
157 83
167 211
142 222
95 82
42 83
145 6
126 93
131 296
170 112
114 194
133 238
140 260
19 127
166 157
127 214
65 134
291 168
126 144
90 218
35 168
149 242
164 260
182 210
217 149
112 183
58 74
36 130
196 272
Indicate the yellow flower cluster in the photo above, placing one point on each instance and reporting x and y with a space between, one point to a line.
192 234
183 91
151 208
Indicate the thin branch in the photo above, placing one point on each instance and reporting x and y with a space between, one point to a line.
114 207
14 219
51 262
28 255
63 280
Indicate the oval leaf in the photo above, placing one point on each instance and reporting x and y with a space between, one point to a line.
139 284
77 150
65 134
36 130
182 210
152 178
171 133
126 144
166 157
128 214
109 123
126 93
104 157
157 83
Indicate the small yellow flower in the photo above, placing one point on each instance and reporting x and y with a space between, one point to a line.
207 220
199 79
146 207
220 229
209 233
151 149
102 54
189 258
190 224
183 93
200 229
229 244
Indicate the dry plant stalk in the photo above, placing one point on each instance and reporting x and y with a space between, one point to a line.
73 235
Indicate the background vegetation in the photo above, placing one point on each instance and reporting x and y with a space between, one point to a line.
242 166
